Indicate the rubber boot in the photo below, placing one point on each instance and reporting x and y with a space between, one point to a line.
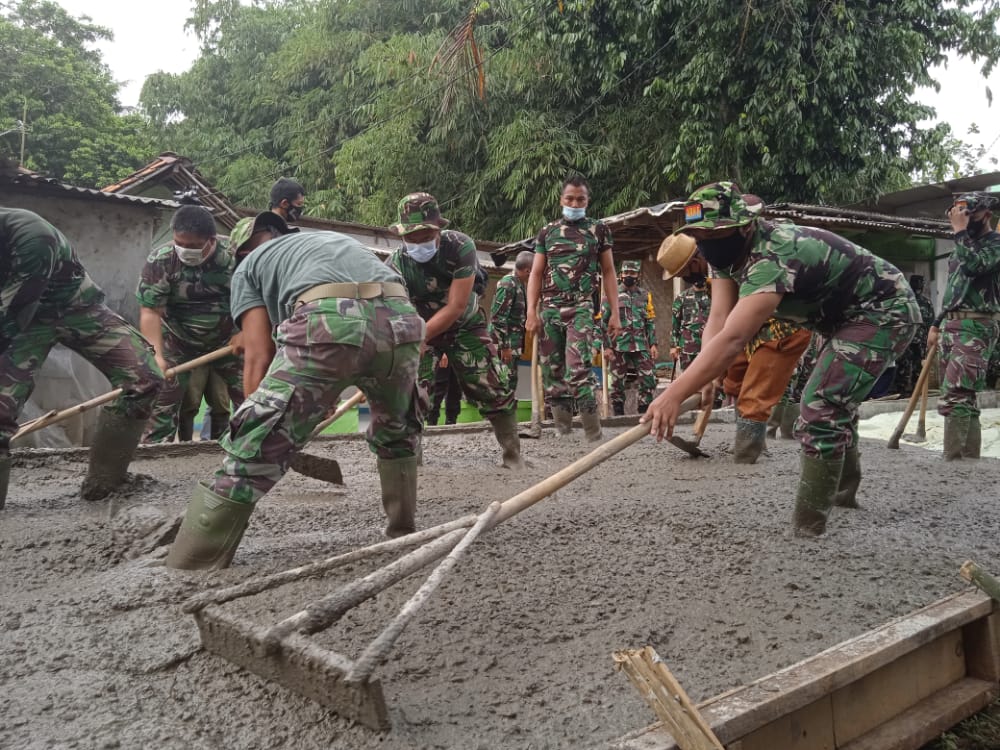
591 424
774 420
563 418
789 416
110 454
850 480
211 531
4 479
505 429
956 431
973 440
819 479
398 477
618 408
749 442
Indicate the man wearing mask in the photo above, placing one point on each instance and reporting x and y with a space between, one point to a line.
573 255
508 314
633 352
439 269
908 366
288 199
969 322
822 282
184 312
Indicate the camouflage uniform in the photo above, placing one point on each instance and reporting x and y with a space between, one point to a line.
47 298
507 317
632 348
970 312
467 343
908 366
572 252
690 313
194 301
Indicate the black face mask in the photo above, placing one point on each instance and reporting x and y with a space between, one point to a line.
629 281
976 227
695 279
294 212
723 253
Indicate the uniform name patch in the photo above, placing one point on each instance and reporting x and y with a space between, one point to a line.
693 212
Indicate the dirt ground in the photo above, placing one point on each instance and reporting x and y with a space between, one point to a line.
691 556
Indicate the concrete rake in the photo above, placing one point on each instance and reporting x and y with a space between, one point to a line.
283 652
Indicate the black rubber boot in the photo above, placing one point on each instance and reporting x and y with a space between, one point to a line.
212 529
618 408
4 479
398 477
774 421
749 442
850 480
818 482
973 439
956 431
591 424
562 415
789 415
110 454
505 429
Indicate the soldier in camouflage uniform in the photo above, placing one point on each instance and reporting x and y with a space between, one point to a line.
571 255
342 318
690 313
184 312
908 366
439 268
632 353
821 282
969 322
508 314
47 298
786 411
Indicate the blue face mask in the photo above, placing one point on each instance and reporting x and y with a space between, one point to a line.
573 214
421 251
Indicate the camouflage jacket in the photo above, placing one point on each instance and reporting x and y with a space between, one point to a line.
572 252
38 270
635 308
508 313
194 299
826 280
926 317
690 313
973 275
428 283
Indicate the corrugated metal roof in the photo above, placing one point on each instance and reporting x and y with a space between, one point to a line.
35 181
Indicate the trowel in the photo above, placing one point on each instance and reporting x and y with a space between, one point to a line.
691 446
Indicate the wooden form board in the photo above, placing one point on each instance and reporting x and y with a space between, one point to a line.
886 688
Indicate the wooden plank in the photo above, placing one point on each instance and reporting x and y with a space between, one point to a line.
923 722
982 648
809 728
878 697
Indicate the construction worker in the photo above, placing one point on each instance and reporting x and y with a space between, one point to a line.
342 318
47 298
439 267
969 322
785 413
508 314
815 279
690 307
908 366
631 355
573 255
183 298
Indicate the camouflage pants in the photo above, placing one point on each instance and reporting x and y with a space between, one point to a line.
966 347
759 382
166 411
476 361
326 346
205 383
803 370
100 336
847 367
564 354
512 368
689 350
638 365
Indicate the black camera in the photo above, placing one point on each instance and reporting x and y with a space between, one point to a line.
977 201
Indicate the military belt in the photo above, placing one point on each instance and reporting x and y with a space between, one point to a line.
971 315
367 290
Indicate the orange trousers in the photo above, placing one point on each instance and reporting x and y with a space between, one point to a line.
758 383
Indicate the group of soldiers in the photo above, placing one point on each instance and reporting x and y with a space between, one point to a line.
308 314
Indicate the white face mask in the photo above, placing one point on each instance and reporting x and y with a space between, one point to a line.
191 256
421 251
573 214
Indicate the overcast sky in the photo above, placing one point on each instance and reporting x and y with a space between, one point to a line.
150 36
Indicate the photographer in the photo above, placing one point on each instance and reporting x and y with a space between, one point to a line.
970 314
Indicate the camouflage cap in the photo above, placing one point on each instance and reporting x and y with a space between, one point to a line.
675 253
631 266
246 227
418 211
720 205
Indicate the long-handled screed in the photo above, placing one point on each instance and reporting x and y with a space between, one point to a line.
534 430
921 380
283 653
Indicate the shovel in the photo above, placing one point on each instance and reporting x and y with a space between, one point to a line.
534 430
925 372
317 467
691 446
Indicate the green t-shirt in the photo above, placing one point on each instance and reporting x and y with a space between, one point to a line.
278 272
429 283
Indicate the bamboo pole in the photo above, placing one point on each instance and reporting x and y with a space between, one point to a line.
976 575
345 407
924 373
922 422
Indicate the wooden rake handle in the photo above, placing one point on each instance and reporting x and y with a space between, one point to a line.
914 397
345 407
701 423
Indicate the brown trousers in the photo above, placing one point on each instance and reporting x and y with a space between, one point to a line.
758 383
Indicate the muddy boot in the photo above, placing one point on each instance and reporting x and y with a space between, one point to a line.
818 482
110 454
398 477
774 420
973 440
4 479
591 424
211 531
618 408
956 430
749 441
789 415
505 429
563 418
850 480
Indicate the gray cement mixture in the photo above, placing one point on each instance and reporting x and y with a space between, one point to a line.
693 557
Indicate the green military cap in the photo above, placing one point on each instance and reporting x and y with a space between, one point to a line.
418 211
720 205
631 266
246 227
